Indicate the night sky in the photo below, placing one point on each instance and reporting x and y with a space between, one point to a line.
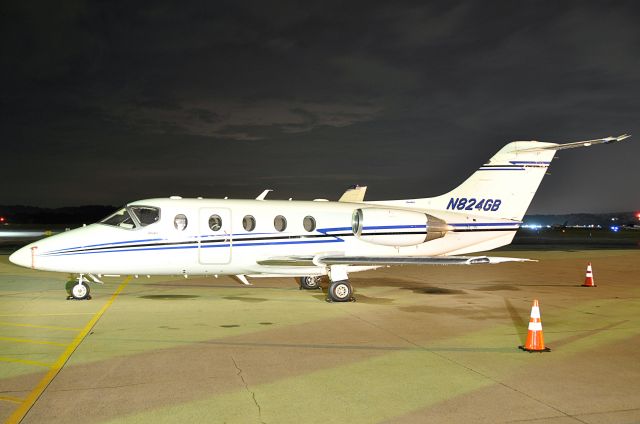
110 102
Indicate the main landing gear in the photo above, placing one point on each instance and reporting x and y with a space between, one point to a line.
78 289
340 289
310 282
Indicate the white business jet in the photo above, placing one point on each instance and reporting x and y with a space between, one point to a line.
305 239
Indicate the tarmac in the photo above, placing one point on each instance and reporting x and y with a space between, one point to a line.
435 344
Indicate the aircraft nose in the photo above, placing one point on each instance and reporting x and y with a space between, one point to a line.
22 257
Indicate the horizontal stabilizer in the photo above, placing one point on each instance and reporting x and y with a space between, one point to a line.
585 143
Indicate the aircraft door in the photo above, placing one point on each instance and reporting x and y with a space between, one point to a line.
215 241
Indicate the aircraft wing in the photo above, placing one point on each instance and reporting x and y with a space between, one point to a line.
320 260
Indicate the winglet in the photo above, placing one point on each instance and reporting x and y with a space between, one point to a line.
263 194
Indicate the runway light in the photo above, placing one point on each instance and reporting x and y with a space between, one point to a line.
2 219
615 228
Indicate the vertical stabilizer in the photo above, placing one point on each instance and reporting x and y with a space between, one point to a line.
503 187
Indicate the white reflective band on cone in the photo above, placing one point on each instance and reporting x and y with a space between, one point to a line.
535 326
535 312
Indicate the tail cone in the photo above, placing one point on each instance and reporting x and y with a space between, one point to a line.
535 338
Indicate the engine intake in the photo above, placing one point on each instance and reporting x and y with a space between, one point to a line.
396 227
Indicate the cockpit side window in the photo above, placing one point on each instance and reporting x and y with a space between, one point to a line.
121 219
146 214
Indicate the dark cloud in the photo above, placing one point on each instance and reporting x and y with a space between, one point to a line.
110 102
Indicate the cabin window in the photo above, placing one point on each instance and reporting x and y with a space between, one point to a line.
309 223
180 222
215 222
146 214
121 218
249 223
280 223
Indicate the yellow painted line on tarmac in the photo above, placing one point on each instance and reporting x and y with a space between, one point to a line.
30 341
46 315
11 399
35 394
26 362
48 327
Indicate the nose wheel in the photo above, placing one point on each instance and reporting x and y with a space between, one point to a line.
78 289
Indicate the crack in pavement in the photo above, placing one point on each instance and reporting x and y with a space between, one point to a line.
469 368
246 386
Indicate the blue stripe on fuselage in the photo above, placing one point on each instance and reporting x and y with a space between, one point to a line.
239 243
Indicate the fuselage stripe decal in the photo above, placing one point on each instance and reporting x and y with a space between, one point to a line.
106 244
267 241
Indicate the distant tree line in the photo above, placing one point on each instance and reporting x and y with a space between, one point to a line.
74 215
603 219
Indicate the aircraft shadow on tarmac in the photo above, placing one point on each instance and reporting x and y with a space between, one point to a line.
434 290
168 296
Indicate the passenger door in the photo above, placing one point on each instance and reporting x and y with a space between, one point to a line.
215 238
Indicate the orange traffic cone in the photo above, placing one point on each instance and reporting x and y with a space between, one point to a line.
588 279
535 339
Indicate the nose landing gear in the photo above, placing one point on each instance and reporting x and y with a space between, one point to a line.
78 289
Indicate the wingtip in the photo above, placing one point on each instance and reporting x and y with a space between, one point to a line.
623 137
616 139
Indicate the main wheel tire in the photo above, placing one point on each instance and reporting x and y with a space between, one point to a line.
310 282
340 291
80 291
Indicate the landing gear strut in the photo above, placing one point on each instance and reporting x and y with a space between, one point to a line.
78 290
309 282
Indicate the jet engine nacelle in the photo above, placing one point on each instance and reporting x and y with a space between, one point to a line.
396 227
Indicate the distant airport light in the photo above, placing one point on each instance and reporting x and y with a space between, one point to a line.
638 215
2 219
532 226
615 228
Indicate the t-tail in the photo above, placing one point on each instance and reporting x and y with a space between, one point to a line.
504 187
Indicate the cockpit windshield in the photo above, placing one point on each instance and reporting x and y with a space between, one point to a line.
131 217
122 218
146 214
